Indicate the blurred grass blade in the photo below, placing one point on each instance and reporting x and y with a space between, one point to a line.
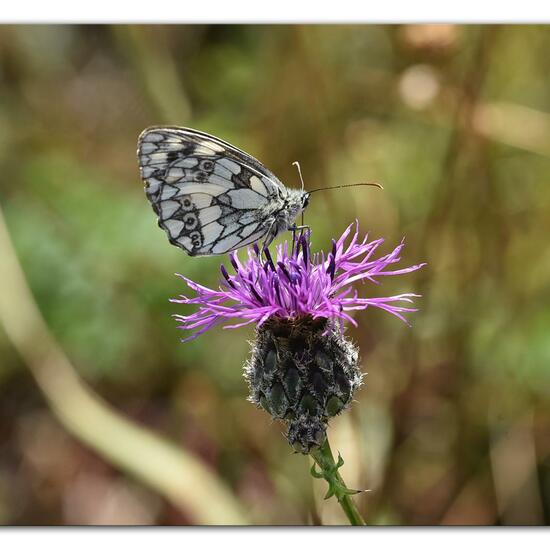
152 61
515 125
171 471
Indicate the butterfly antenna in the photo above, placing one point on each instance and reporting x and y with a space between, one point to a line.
297 164
373 184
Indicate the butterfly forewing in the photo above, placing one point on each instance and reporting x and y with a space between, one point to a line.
208 195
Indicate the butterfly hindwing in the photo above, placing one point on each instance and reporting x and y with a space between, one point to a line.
208 195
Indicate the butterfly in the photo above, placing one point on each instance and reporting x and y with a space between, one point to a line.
209 196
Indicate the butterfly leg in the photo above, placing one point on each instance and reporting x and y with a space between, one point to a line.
295 228
272 232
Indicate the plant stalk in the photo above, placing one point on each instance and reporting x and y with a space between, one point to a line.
329 471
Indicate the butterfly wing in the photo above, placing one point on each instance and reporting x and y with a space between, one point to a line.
208 195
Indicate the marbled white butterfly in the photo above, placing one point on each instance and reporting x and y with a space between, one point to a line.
209 196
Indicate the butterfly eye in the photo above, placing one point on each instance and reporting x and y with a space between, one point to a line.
305 202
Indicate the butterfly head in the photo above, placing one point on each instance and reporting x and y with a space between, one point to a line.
295 201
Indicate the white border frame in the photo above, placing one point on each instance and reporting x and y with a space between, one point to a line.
276 11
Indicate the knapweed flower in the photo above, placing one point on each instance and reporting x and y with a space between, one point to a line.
303 370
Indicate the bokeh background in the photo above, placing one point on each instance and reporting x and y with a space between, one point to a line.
452 425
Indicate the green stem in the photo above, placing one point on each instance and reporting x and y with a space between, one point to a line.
329 471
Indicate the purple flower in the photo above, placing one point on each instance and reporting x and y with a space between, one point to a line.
296 284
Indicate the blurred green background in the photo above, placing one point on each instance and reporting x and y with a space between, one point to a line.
452 425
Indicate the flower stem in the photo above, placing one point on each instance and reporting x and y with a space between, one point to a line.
336 486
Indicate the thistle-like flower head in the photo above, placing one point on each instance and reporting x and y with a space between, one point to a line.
297 284
302 370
